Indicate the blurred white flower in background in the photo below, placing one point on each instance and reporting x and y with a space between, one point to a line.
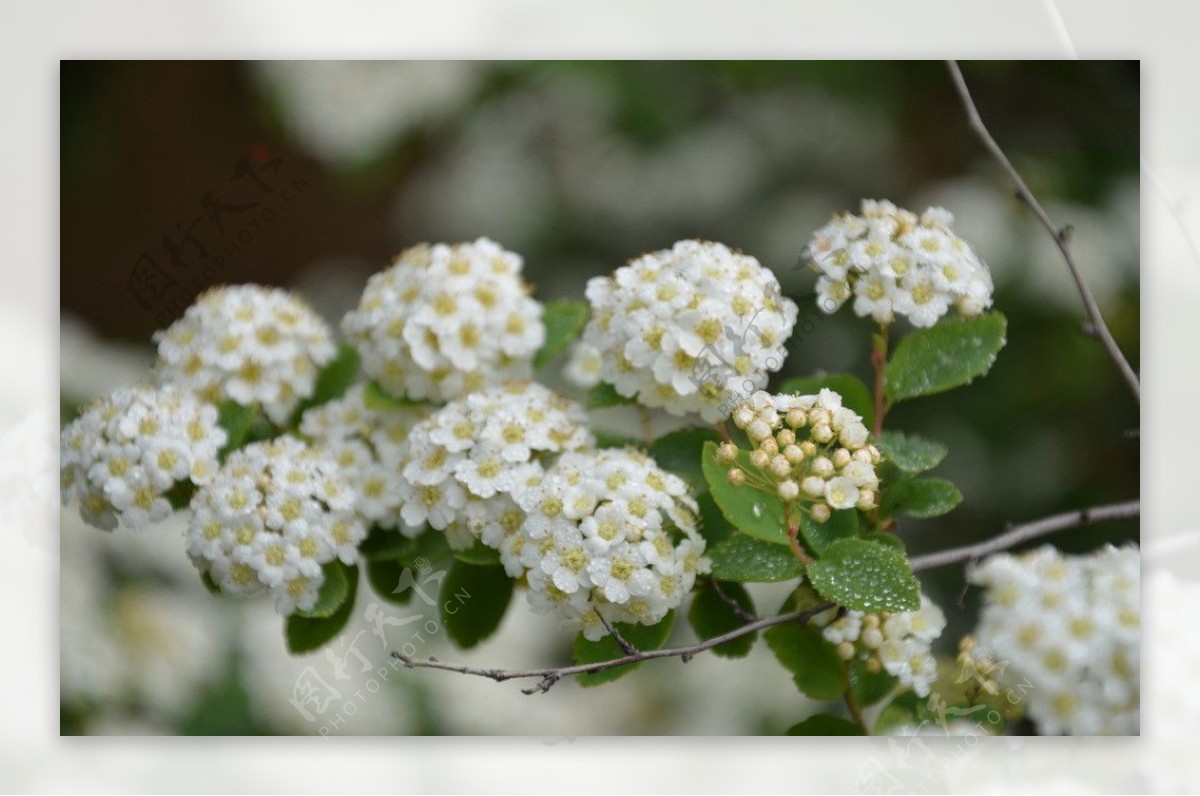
350 112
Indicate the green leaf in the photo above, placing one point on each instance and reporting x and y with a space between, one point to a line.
855 394
865 577
180 494
386 543
942 357
605 439
712 524
869 687
210 584
376 397
842 524
921 498
743 559
814 663
305 633
331 383
643 637
751 511
824 724
334 591
478 554
711 616
236 420
383 575
886 539
681 451
564 320
473 602
605 395
911 453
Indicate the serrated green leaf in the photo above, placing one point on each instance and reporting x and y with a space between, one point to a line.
236 420
305 634
855 394
335 590
744 559
564 320
921 498
478 554
473 602
814 663
376 397
681 451
605 395
386 543
642 637
911 453
751 511
824 724
842 524
712 524
869 687
383 575
711 615
944 356
331 383
865 577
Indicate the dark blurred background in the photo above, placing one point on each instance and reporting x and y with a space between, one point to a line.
179 175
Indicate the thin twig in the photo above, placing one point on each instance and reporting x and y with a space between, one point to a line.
1031 530
549 676
625 646
733 604
1061 235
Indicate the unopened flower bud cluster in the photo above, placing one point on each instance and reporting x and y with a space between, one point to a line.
807 448
1071 627
679 328
462 463
126 451
248 344
607 534
273 515
892 262
898 643
368 444
445 320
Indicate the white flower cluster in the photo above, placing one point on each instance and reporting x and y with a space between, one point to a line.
126 451
681 327
1070 626
249 344
607 534
898 643
368 444
463 462
273 515
445 320
893 263
808 448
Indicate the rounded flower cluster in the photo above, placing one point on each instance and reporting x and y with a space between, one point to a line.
893 263
248 344
273 515
1071 627
806 448
898 643
683 327
607 534
463 462
122 456
445 320
368 443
